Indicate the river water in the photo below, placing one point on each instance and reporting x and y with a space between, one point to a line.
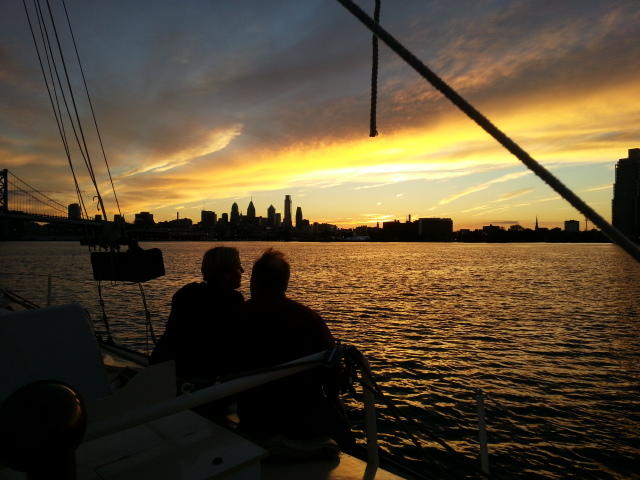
549 332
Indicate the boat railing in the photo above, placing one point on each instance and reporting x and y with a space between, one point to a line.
200 397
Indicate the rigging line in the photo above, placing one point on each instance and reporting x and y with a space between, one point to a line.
609 230
60 129
147 316
63 133
105 320
84 152
373 131
49 51
95 122
49 56
75 108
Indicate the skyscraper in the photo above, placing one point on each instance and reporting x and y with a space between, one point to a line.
235 214
251 212
625 207
287 211
299 217
271 215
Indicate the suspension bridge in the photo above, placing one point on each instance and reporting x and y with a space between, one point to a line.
21 202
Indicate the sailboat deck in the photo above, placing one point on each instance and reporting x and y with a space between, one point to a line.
344 468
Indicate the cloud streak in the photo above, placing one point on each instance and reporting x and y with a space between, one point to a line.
222 100
483 186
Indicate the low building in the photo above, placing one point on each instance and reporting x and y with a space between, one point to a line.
571 226
74 212
144 218
435 229
207 218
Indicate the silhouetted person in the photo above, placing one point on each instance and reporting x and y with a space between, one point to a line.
133 246
278 330
202 318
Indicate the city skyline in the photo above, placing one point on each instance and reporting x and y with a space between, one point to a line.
235 214
196 118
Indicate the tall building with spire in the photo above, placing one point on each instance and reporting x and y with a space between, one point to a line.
299 217
625 206
287 211
271 216
235 214
251 212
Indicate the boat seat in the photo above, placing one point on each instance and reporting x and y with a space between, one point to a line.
54 343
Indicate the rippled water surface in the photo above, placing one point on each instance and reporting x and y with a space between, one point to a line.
551 333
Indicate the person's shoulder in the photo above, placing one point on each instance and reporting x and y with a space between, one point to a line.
190 289
236 296
301 308
193 287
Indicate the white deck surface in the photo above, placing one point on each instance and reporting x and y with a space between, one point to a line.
183 446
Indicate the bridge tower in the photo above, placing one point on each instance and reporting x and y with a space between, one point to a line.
4 191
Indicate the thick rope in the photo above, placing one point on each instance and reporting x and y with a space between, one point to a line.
610 231
373 130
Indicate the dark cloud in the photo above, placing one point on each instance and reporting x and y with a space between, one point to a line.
163 77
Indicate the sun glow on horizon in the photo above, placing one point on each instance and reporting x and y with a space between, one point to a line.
271 114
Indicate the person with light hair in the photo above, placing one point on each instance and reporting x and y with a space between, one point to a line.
202 319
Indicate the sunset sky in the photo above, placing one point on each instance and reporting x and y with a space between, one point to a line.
202 104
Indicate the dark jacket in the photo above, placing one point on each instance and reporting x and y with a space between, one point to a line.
277 331
200 331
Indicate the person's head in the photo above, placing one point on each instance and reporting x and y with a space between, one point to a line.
270 274
221 267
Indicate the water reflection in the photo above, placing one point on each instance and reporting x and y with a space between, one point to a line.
549 331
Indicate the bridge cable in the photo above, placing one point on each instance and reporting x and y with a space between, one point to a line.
33 195
38 192
95 122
